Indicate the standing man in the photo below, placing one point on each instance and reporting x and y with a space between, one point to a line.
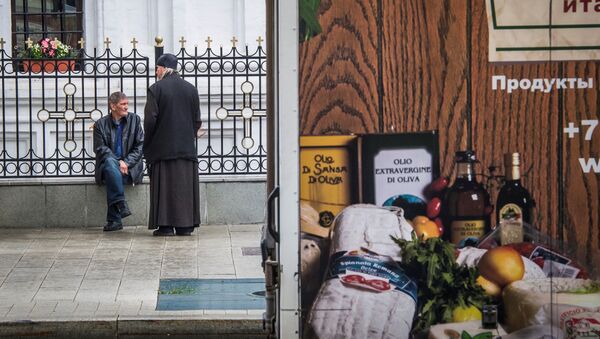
118 142
171 121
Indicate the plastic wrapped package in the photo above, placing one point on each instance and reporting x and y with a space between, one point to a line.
552 256
365 294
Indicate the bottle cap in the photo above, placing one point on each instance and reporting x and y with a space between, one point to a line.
512 159
465 156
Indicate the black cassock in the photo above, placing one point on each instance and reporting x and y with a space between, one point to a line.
171 121
174 194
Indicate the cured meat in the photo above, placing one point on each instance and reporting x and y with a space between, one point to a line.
343 311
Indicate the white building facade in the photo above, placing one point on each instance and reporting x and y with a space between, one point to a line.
39 116
145 19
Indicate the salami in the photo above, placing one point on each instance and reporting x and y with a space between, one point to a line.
359 304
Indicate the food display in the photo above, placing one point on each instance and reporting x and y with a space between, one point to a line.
385 280
431 266
448 292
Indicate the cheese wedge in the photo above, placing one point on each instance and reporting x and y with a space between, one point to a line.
454 330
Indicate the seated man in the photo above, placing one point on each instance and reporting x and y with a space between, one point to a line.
118 140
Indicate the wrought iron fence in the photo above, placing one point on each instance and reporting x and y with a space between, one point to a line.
49 107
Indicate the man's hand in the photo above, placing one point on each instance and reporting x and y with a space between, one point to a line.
123 167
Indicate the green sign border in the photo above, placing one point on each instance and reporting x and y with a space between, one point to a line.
549 26
548 48
496 26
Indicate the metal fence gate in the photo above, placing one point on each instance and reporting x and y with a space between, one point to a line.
48 107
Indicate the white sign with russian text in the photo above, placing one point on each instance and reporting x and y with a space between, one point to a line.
543 30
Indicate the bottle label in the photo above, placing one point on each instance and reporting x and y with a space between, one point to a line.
511 213
511 224
370 271
467 232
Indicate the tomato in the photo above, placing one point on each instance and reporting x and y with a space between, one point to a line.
462 314
438 185
434 206
379 284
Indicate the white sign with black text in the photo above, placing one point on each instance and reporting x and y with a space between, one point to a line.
401 171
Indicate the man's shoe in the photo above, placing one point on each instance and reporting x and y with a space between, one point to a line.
162 232
185 231
123 209
113 226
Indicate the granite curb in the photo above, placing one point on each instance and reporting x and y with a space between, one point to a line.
171 326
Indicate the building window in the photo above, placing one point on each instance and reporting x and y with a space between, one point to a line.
37 19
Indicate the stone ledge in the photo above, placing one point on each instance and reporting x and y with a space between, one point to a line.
134 327
83 204
146 180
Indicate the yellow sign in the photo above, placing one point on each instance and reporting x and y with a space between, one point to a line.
327 180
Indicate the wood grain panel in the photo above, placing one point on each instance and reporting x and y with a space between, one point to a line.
432 52
424 71
339 71
582 190
521 121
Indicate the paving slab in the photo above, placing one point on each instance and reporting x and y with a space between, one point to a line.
82 282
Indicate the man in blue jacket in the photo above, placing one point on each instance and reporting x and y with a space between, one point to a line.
118 142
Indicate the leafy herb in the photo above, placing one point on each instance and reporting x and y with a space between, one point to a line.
443 284
484 335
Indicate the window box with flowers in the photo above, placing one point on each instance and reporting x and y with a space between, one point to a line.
48 56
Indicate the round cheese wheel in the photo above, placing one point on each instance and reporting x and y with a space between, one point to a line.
524 298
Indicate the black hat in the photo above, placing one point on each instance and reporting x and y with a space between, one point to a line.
167 60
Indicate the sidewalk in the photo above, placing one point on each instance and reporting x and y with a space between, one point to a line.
69 282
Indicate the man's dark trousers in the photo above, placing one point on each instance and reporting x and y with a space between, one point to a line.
115 188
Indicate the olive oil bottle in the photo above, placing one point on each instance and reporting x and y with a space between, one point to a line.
466 204
514 203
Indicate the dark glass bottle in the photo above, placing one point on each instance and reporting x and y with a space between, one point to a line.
514 203
466 204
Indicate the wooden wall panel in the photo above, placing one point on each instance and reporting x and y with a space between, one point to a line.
521 121
424 71
339 71
582 190
435 74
